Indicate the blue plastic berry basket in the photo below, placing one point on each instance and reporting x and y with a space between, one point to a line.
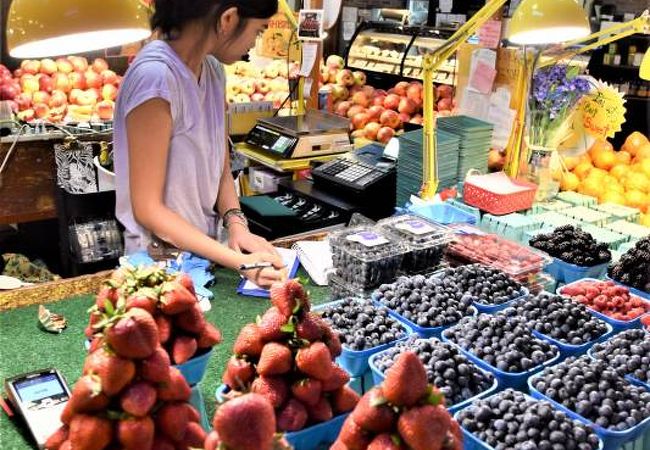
629 378
568 350
471 442
356 362
493 309
444 213
378 377
618 325
567 273
612 440
515 380
310 438
644 295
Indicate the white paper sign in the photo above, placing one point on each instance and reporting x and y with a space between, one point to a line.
309 53
446 5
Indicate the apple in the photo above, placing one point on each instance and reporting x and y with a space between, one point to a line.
401 87
109 77
104 109
359 78
232 89
77 80
74 95
19 73
99 65
357 134
45 83
61 82
444 104
242 98
378 100
271 71
257 97
404 118
41 110
340 92
371 130
354 110
392 101
9 91
58 113
342 108
40 97
390 118
406 106
385 134
263 86
63 65
29 85
345 78
109 92
93 79
324 74
380 92
444 91
48 66
26 115
247 87
361 99
375 111
359 121
416 119
79 63
24 101
4 70
369 91
31 66
335 62
414 92
6 78
58 99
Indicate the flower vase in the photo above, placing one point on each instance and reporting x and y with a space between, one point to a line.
540 172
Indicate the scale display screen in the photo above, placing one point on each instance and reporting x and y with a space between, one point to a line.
270 140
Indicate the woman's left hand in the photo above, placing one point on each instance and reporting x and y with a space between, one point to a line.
240 239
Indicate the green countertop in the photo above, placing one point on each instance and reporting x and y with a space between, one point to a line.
24 347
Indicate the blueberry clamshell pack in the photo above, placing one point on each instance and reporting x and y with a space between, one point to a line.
628 353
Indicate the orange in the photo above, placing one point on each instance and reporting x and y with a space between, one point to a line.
643 152
612 197
583 169
597 173
592 187
570 182
599 147
623 157
645 167
645 220
637 199
570 162
619 171
585 158
633 142
637 181
605 160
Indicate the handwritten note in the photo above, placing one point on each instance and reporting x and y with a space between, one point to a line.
483 77
489 35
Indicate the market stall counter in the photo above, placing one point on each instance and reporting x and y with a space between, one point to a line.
25 347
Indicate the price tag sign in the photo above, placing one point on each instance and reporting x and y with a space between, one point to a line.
602 111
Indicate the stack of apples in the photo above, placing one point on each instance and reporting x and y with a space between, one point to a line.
248 83
63 89
376 114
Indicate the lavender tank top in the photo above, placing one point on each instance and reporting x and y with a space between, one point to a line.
197 148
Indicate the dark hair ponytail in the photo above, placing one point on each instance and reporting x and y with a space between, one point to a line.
170 16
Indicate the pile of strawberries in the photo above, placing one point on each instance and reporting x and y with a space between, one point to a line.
129 395
288 358
402 413
607 298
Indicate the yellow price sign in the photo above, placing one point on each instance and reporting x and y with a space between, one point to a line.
602 111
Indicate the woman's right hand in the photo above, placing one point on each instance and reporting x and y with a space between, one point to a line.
264 277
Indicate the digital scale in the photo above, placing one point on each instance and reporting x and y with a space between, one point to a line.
316 133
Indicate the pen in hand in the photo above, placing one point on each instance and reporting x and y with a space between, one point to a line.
259 265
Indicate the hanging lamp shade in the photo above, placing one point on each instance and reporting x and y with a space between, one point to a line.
644 71
41 28
547 22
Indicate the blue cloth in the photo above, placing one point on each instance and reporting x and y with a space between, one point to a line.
194 266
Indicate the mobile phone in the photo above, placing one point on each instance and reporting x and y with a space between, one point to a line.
39 397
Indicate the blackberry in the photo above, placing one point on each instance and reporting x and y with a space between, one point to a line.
633 269
574 246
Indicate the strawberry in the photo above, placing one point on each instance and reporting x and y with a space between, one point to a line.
406 381
161 442
194 436
156 367
95 344
307 391
90 432
333 342
95 317
424 427
176 388
271 325
212 442
338 445
142 299
176 298
135 433
344 400
454 440
276 359
186 281
172 420
138 399
106 293
386 441
192 413
297 291
164 328
293 416
372 413
337 379
315 361
114 372
183 349
87 395
289 297
245 423
249 342
310 328
353 436
66 445
57 438
274 389
191 320
134 336
238 373
209 336
321 411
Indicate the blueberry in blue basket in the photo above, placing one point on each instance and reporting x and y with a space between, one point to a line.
503 342
361 325
628 353
595 391
456 377
427 302
561 319
486 285
509 420
572 245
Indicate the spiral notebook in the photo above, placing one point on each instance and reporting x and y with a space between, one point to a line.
316 258
290 258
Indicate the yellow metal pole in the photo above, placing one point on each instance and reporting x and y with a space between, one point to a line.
291 17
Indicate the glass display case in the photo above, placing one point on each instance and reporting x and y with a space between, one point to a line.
393 50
